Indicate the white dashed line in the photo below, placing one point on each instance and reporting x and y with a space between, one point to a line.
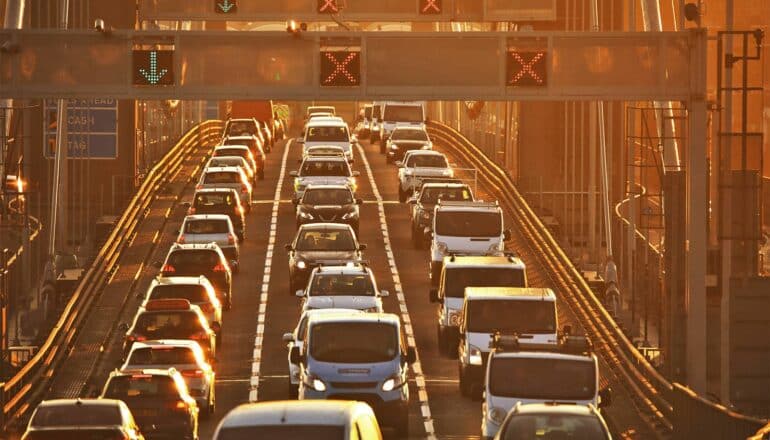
256 363
422 392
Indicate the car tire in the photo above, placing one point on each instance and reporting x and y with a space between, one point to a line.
465 385
402 426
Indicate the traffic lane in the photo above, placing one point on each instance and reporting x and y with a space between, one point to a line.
453 414
235 355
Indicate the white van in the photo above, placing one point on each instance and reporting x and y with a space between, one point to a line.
394 113
329 131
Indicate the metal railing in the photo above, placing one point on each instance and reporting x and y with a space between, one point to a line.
21 393
647 387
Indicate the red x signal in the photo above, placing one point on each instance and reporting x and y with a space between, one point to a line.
328 6
430 6
340 68
527 68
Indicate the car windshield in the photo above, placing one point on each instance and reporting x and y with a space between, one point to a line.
206 226
283 432
333 168
431 196
240 152
327 197
469 223
543 378
77 415
337 240
335 133
354 342
511 316
211 200
403 113
341 285
141 386
165 325
222 177
194 259
162 356
227 161
427 161
368 113
240 128
556 426
325 151
195 293
410 134
458 278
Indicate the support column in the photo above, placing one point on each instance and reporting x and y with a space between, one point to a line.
697 234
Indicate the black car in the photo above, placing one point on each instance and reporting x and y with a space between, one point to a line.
330 204
220 201
406 138
319 244
159 401
426 199
201 259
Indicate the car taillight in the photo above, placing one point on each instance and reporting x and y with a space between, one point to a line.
199 186
136 338
179 405
168 269
192 373
181 239
230 239
238 210
191 211
220 268
207 307
244 188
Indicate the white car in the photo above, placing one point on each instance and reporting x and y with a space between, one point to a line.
418 166
211 228
296 338
342 287
554 420
228 177
256 160
233 161
184 355
329 131
323 170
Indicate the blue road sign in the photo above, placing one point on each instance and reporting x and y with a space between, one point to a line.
92 128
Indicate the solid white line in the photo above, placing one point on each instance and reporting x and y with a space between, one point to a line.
422 391
256 362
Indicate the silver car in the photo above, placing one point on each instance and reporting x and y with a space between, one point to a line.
228 177
211 228
323 170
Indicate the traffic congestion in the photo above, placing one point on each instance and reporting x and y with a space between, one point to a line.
350 357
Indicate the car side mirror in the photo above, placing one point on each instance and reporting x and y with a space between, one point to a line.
411 355
294 356
384 294
288 337
361 247
434 295
299 293
359 202
123 327
288 247
506 235
356 173
293 173
186 205
605 397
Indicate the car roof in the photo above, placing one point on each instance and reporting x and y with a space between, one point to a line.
185 343
180 281
469 205
216 158
222 217
545 353
194 246
318 312
326 121
216 189
294 412
79 402
425 153
325 159
505 293
325 226
318 147
445 185
233 146
464 261
556 408
222 170
147 371
343 269
240 119
370 317
327 186
238 137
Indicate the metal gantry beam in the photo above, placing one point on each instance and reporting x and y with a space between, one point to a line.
216 65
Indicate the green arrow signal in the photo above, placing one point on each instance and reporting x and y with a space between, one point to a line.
226 6
153 75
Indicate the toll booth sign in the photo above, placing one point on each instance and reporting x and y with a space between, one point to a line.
527 69
225 6
153 67
340 68
430 7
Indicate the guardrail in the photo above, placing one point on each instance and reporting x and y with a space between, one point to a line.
650 391
21 393
696 417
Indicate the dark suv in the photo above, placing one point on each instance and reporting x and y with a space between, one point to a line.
201 259
220 201
328 203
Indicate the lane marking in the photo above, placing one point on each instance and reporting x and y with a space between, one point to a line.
422 391
256 362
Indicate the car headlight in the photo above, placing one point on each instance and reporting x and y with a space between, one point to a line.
393 147
306 215
454 318
496 415
301 264
315 383
396 381
474 355
349 215
448 173
441 247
